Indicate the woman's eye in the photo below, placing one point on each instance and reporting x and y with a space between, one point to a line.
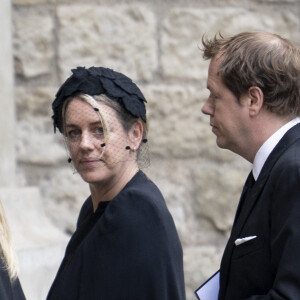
99 130
74 134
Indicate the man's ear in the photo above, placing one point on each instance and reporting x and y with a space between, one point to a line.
256 100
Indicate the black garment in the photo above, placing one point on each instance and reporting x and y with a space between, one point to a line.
9 290
267 266
245 194
128 249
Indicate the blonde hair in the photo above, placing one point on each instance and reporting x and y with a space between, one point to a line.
6 250
125 117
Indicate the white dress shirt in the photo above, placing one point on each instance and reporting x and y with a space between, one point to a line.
268 146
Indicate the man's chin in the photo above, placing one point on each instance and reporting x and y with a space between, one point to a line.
221 143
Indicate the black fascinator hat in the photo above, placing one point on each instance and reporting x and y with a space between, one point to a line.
95 81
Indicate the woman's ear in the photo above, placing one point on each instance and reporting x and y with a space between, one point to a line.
136 134
256 100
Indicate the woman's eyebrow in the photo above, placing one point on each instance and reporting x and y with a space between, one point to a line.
90 124
96 123
71 125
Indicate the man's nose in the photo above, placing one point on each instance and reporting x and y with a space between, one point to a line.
207 107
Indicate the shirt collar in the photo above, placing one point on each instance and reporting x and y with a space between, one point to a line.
268 146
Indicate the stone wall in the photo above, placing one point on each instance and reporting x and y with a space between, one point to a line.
154 42
7 108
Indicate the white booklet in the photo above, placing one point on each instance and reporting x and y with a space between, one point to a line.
209 290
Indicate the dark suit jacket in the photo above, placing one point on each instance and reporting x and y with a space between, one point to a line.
9 290
268 267
128 250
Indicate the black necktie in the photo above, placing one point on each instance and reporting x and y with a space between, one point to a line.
250 180
246 190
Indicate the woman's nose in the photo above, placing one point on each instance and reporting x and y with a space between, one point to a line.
86 141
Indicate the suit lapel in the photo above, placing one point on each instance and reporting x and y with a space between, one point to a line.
239 223
288 139
248 205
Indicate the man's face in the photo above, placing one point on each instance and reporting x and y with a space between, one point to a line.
228 117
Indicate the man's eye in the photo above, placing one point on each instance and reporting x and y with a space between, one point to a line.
212 96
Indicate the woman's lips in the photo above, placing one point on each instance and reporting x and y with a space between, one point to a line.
90 162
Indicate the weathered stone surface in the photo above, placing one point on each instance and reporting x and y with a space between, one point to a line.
184 27
34 102
120 37
30 2
176 122
35 140
38 267
178 128
173 179
28 228
156 44
177 182
36 148
218 189
200 262
7 108
33 47
39 244
64 193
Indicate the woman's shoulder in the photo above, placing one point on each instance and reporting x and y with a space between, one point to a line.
141 190
140 199
85 211
141 183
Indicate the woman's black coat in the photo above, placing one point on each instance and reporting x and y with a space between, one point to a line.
128 249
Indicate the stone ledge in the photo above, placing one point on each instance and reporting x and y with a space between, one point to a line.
39 244
29 224
38 268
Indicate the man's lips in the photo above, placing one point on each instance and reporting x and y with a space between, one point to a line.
213 128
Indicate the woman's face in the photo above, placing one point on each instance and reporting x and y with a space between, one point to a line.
84 135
